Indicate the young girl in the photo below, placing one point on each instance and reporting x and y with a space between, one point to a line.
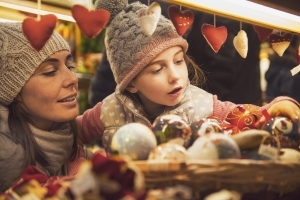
37 106
152 75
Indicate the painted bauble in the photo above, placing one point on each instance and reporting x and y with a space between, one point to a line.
285 130
214 146
169 152
134 140
168 127
204 126
245 117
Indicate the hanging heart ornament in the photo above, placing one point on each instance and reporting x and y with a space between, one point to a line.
90 22
182 20
240 43
38 32
215 37
262 32
149 17
280 42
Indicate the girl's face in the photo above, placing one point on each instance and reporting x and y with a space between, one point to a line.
163 80
50 93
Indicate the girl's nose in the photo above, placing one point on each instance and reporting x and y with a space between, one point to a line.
174 74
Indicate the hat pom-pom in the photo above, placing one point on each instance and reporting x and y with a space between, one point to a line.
113 6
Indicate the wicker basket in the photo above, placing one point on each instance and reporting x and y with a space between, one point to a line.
241 175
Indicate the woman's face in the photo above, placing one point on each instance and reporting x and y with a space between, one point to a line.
50 93
164 80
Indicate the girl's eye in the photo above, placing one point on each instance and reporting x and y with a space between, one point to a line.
157 71
52 73
178 62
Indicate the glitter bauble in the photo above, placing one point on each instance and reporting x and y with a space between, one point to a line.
134 140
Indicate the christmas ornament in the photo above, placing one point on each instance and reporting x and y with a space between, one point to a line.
182 20
249 139
149 17
262 32
203 127
39 31
134 140
214 36
168 151
246 117
280 42
285 130
214 146
170 127
90 22
289 155
240 43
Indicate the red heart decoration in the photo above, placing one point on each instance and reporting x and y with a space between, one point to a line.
91 22
214 36
182 20
38 32
262 32
280 42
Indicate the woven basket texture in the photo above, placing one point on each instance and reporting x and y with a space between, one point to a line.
250 177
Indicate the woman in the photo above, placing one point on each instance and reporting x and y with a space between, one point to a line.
37 106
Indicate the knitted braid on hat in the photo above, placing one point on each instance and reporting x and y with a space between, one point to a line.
129 49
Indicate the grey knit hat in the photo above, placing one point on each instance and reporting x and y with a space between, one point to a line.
19 60
129 49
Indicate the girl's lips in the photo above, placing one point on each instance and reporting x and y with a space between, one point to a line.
175 93
175 90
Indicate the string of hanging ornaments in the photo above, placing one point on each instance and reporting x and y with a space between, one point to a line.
92 21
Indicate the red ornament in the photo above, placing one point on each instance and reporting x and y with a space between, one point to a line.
280 42
214 36
245 117
262 32
182 20
38 32
91 22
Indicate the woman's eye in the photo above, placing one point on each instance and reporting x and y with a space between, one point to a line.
71 68
52 73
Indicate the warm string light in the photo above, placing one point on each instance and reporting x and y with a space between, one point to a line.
36 11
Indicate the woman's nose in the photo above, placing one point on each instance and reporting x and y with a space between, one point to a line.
71 79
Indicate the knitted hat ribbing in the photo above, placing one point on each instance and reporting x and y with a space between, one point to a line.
129 49
19 60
